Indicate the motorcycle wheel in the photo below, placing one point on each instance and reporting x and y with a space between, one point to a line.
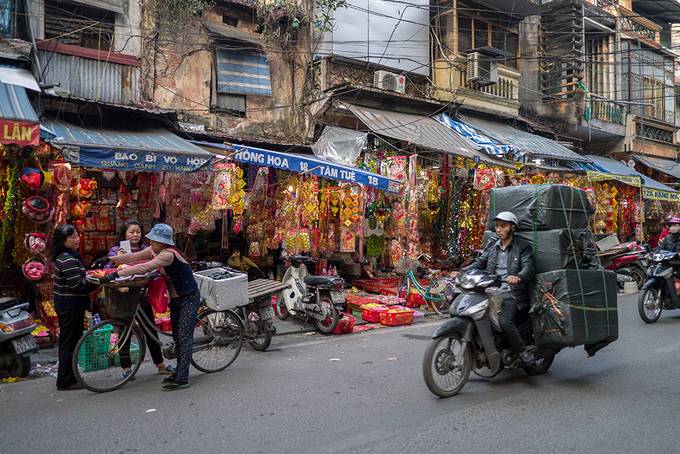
281 309
262 341
327 325
638 275
540 367
445 369
649 305
20 366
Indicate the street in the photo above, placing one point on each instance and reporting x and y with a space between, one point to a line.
365 393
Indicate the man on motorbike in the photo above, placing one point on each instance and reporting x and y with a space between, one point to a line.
511 259
671 242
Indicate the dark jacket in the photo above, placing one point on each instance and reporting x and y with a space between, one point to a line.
670 242
520 264
71 289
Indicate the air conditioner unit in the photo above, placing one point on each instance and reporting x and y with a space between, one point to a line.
386 80
481 69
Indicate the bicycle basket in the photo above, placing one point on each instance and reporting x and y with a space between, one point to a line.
121 302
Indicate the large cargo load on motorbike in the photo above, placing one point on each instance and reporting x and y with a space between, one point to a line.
558 249
542 207
575 307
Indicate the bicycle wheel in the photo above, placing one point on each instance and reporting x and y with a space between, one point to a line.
218 338
104 350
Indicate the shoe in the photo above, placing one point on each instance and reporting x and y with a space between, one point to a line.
73 387
167 370
169 379
126 373
174 386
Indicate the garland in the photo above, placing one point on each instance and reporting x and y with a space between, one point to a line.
8 209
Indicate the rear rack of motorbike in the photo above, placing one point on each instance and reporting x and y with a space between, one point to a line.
264 287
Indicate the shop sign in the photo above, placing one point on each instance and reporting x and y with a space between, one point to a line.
630 180
138 160
657 194
309 165
19 132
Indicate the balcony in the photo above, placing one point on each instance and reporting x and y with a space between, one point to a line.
95 75
608 111
502 97
638 27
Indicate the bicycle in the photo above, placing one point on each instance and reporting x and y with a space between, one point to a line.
120 339
438 294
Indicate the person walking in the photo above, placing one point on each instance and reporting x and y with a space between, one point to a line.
71 299
184 296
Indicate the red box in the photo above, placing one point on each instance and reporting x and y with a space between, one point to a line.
396 317
371 314
164 324
345 325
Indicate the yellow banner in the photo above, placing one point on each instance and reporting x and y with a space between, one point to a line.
630 180
657 194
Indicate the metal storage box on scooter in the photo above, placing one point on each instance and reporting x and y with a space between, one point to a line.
222 288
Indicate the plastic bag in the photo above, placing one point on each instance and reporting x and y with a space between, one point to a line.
158 295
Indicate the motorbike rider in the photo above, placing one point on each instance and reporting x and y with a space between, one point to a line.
511 259
671 242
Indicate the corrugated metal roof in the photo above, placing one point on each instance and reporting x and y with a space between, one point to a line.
419 130
532 144
14 104
230 32
616 167
146 139
666 166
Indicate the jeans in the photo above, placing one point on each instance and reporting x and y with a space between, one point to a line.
183 311
506 319
70 330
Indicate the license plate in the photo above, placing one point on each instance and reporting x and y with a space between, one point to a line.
338 297
267 313
24 344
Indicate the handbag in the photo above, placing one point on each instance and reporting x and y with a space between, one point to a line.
158 294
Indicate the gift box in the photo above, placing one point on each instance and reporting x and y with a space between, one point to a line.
371 312
396 317
345 324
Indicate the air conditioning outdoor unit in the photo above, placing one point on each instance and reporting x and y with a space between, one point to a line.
481 69
386 80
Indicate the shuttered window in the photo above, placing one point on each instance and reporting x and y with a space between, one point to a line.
243 72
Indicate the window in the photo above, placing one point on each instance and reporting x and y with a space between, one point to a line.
474 33
229 20
464 34
653 94
12 19
79 25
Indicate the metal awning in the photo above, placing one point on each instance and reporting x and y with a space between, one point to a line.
18 76
146 149
615 170
230 32
525 142
18 121
422 131
671 168
298 163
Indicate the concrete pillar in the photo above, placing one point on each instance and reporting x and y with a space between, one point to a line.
530 97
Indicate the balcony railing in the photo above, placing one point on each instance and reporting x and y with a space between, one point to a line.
89 73
634 23
507 86
609 111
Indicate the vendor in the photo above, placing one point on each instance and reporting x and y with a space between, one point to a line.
133 232
184 295
239 262
71 299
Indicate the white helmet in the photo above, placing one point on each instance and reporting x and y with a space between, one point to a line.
507 217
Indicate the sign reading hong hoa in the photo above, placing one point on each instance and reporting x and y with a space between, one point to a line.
312 166
21 133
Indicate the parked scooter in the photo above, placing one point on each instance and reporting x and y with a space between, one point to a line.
631 261
317 298
472 339
16 342
661 289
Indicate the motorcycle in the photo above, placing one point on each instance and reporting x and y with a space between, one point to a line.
16 341
316 298
629 260
662 287
472 340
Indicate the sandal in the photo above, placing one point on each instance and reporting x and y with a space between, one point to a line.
167 370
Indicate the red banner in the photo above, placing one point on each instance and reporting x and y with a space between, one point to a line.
21 133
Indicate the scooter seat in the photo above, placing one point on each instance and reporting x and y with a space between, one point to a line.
318 280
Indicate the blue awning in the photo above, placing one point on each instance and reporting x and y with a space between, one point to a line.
152 149
585 166
14 104
489 145
305 164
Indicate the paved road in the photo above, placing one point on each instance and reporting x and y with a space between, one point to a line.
365 393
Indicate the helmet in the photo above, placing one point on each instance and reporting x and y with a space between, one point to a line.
161 233
674 220
507 217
